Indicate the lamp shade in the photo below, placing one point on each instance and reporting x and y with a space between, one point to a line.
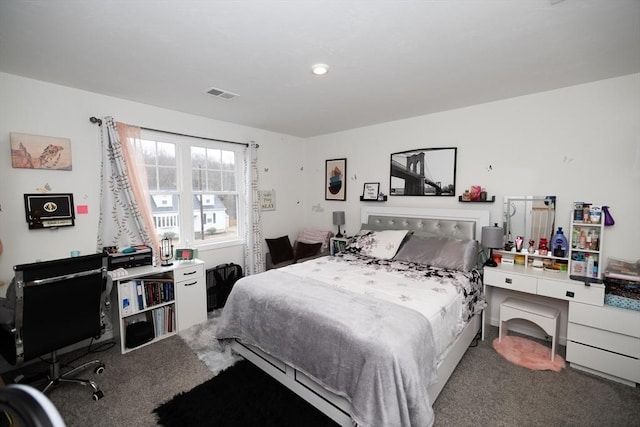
492 237
338 218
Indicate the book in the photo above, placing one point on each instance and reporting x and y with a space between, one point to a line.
126 304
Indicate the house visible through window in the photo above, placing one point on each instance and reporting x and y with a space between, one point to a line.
195 187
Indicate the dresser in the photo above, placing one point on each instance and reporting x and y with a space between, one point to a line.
600 339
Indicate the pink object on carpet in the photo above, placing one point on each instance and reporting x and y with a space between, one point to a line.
527 353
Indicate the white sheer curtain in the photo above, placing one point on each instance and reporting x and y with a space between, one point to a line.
125 218
253 256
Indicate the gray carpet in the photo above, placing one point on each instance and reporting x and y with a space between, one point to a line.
485 390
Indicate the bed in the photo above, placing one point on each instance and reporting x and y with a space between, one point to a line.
370 336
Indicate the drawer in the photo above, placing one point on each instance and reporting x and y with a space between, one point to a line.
508 280
567 290
604 361
188 272
618 343
609 318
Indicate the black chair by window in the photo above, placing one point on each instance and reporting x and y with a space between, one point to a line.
57 304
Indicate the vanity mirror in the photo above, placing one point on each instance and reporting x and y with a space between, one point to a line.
531 217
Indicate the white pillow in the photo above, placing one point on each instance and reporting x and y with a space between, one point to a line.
381 244
315 236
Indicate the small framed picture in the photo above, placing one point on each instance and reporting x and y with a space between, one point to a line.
371 191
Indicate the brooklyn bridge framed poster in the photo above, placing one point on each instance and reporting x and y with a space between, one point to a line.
424 172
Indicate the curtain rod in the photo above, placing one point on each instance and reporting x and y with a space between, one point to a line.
99 122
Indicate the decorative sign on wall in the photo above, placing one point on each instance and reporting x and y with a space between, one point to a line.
49 210
268 200
40 152
424 172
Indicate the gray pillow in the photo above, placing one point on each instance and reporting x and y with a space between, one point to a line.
441 252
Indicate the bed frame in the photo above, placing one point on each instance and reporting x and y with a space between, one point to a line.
460 223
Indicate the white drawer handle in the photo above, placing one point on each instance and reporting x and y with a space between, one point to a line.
508 280
191 284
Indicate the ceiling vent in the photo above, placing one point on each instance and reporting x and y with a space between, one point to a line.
222 94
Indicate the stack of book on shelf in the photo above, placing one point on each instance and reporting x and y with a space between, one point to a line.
622 284
139 297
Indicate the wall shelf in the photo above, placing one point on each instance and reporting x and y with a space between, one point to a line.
383 199
490 200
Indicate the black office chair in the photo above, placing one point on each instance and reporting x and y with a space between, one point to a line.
58 303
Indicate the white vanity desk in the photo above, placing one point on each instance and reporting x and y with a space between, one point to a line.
600 339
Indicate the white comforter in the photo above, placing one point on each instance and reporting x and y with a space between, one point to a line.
437 294
361 327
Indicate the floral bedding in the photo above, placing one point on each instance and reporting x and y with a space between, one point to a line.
447 298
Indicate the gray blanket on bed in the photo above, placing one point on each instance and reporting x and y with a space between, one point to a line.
378 355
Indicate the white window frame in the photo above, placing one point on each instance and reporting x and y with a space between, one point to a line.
183 145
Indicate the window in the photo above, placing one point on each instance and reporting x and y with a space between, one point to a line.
195 187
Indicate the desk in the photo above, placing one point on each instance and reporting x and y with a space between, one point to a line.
595 343
173 298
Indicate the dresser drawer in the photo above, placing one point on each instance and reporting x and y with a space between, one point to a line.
618 343
508 280
609 318
604 361
570 291
190 271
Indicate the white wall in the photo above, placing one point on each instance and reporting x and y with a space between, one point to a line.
580 143
34 107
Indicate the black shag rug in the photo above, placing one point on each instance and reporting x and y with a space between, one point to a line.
241 395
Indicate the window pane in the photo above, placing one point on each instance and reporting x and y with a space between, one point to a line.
166 218
215 217
166 154
198 179
198 157
213 159
148 150
228 160
229 181
152 179
214 181
167 178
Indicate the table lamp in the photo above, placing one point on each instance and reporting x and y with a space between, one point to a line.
338 219
492 238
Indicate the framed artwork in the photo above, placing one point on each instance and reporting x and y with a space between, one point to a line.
40 152
268 200
370 191
335 186
424 172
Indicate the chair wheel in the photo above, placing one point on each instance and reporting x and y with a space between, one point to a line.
99 369
97 395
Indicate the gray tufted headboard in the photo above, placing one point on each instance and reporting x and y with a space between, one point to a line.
455 223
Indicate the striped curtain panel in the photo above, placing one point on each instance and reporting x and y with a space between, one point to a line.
125 219
253 256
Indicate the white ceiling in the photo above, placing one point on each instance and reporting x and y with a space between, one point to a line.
389 59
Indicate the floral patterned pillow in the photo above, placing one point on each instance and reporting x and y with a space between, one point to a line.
378 244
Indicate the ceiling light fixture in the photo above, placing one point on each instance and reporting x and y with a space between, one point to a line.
320 69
